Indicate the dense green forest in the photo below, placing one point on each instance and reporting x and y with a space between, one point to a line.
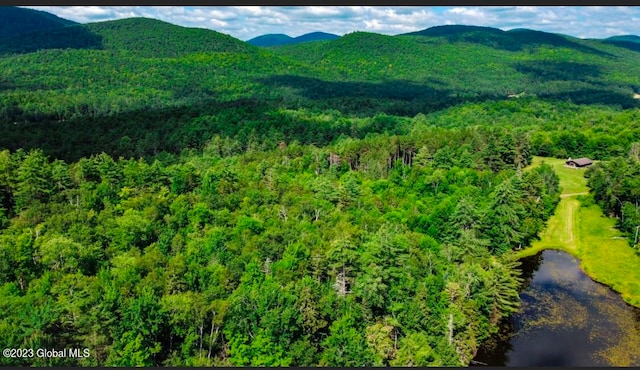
184 85
346 255
616 187
175 196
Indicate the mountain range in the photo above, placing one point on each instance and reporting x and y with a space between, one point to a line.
139 69
282 39
23 25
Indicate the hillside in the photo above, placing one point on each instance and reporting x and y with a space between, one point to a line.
142 37
482 62
156 74
70 37
513 40
153 38
629 38
631 42
15 21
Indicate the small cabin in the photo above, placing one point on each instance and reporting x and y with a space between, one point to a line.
579 163
334 159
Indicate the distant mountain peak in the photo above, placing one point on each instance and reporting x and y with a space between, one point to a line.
317 34
282 39
627 38
271 39
452 29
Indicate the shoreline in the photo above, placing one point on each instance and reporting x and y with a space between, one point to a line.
586 233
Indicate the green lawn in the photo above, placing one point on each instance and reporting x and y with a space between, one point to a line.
571 180
606 256
559 231
586 233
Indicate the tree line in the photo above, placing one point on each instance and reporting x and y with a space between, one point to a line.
615 187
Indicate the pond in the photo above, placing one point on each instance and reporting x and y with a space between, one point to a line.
565 319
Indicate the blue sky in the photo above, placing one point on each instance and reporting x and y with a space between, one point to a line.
245 22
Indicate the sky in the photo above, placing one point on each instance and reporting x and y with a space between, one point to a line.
246 22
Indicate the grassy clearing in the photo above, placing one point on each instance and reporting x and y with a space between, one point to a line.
571 180
606 256
559 231
586 233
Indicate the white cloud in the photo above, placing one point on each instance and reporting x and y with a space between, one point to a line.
245 22
218 24
320 11
92 11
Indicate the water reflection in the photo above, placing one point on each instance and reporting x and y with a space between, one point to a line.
566 319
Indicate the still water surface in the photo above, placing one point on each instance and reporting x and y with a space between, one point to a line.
565 319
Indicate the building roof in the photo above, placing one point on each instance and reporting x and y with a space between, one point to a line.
581 161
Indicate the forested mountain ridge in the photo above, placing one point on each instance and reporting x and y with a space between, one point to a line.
143 37
133 70
134 78
513 40
174 196
15 21
630 38
152 38
517 60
